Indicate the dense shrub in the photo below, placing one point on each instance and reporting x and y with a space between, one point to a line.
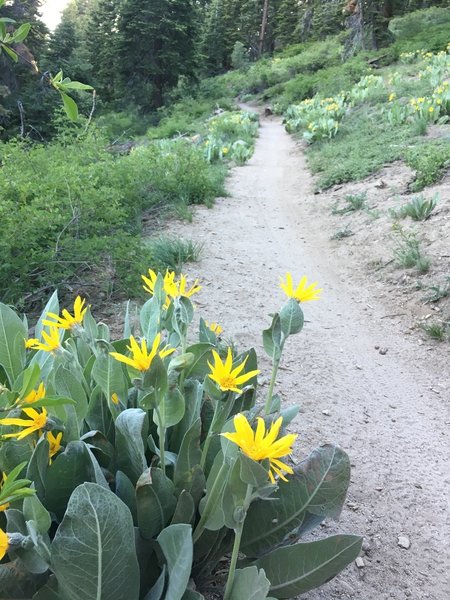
429 160
424 29
68 208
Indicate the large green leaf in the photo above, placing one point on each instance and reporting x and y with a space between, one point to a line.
291 318
176 544
318 487
296 569
93 552
99 416
33 510
68 385
131 433
193 394
38 465
28 554
251 584
211 507
189 456
110 376
12 342
272 338
202 354
185 509
70 469
70 106
155 501
17 582
51 306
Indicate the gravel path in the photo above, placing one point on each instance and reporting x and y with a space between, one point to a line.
361 382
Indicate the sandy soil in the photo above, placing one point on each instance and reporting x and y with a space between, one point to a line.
362 383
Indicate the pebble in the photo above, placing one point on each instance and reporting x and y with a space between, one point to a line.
383 351
366 547
360 563
326 412
403 541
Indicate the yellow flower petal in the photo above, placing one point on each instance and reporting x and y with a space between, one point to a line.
225 376
260 446
4 543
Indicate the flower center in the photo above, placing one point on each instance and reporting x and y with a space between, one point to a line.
41 421
228 382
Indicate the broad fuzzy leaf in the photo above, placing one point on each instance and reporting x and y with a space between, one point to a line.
318 487
294 570
176 544
93 552
12 342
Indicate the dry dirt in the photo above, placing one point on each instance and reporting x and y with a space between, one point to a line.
364 379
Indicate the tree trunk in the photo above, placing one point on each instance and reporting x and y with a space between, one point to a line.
262 33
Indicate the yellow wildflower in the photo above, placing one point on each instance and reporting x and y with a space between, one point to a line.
31 342
67 321
36 422
227 378
55 444
182 291
142 359
303 292
114 398
431 109
35 395
51 341
392 96
225 150
214 327
172 288
261 445
420 100
4 543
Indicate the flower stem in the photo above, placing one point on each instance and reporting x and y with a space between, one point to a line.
209 435
212 499
221 413
275 365
162 441
237 545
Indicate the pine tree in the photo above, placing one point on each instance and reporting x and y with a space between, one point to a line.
157 44
287 20
212 49
102 41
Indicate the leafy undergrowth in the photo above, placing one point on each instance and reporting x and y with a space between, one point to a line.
382 118
71 211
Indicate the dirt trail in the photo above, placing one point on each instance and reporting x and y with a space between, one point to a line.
389 411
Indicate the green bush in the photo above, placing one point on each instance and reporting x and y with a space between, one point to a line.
72 209
148 463
429 160
426 29
364 144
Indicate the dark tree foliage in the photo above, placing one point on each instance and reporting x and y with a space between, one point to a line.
19 82
102 39
156 45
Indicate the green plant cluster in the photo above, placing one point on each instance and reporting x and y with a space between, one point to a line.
421 30
135 492
231 136
382 117
72 210
408 252
419 208
429 160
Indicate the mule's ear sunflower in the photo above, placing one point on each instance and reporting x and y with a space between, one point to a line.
262 444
